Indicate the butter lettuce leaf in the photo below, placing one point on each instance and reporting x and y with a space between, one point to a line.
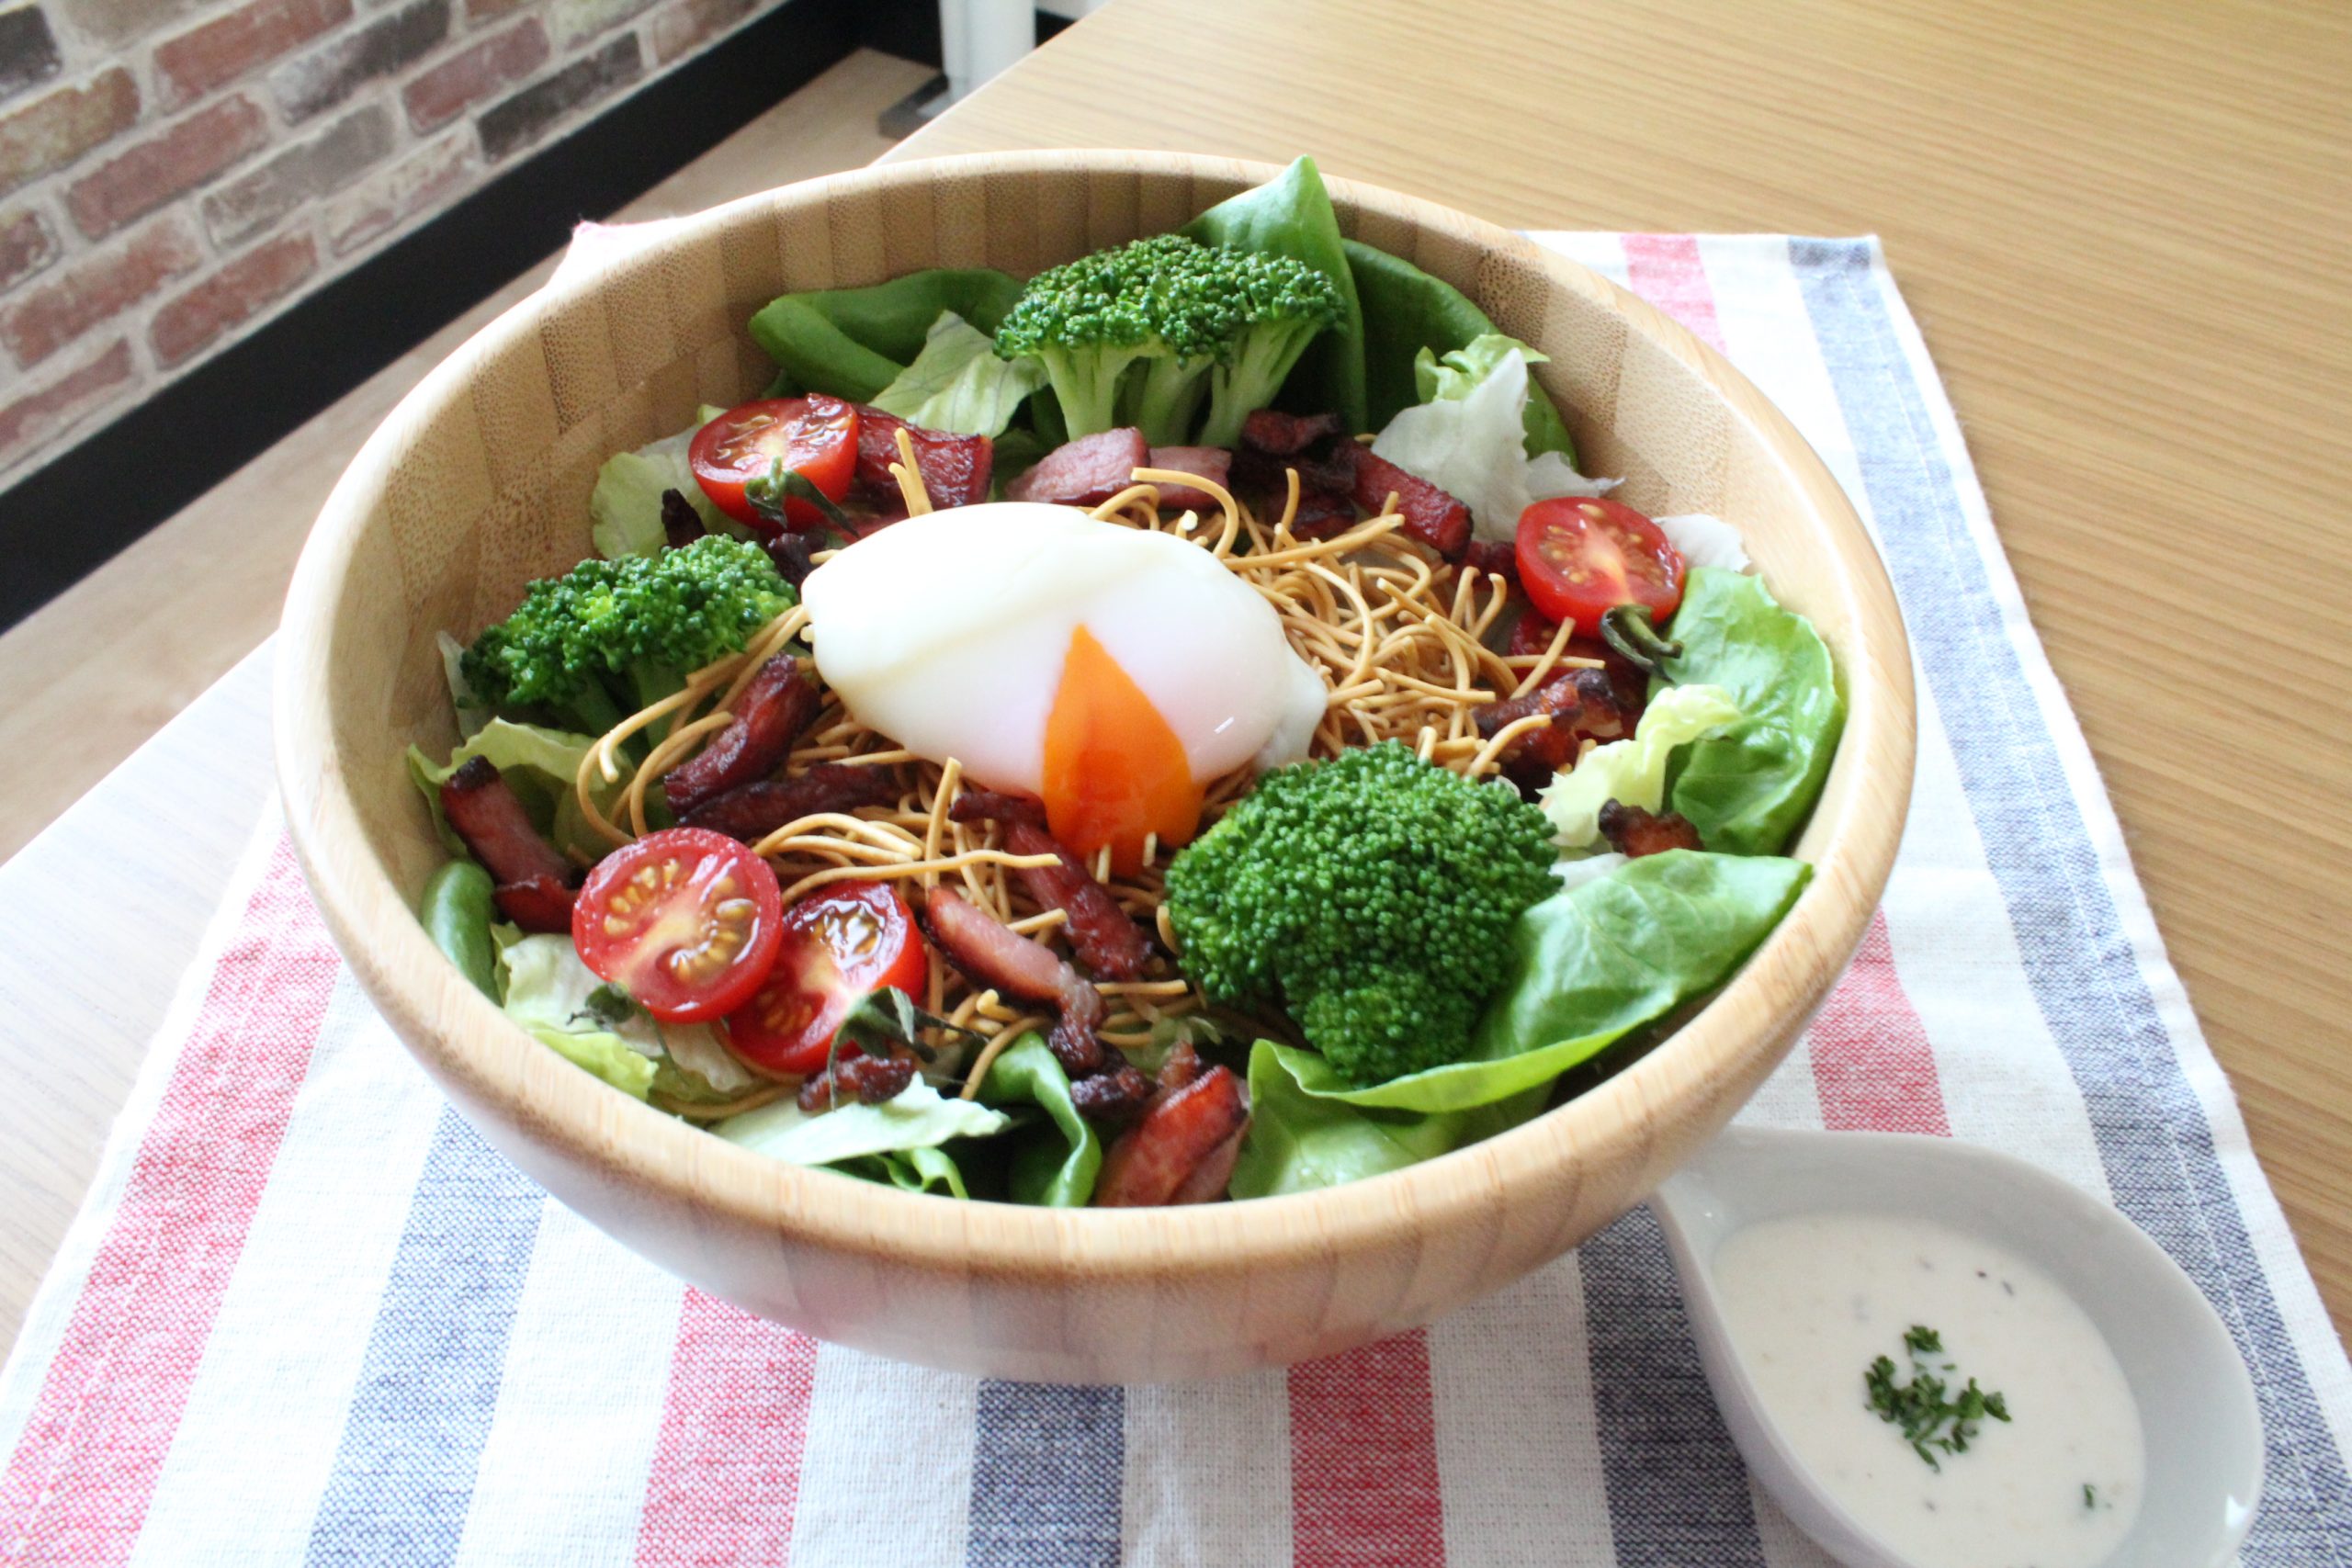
916 1171
625 509
1053 1163
539 765
1302 1135
1469 439
1748 788
958 384
919 1117
1632 771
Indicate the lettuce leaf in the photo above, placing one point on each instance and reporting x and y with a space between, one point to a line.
625 509
1406 313
918 1118
1748 789
1469 441
539 764
958 384
1302 1137
547 992
1291 215
1702 539
1054 1163
1632 772
853 342
916 1171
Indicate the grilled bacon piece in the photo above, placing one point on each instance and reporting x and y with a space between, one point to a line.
1115 1096
774 708
1634 833
681 524
750 812
1279 435
1433 517
1085 472
1500 557
1105 940
1584 705
1324 508
956 469
990 954
856 1079
1183 1149
791 552
1213 464
534 883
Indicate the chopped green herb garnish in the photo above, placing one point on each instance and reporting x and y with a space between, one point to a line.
1933 1417
610 1004
2090 1496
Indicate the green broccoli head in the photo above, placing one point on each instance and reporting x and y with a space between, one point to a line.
1374 895
591 646
1142 333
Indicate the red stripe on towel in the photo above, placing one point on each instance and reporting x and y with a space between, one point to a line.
77 1488
1364 1459
1872 1064
1665 269
726 1480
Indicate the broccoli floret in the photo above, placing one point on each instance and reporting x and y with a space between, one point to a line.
1143 332
1373 894
589 648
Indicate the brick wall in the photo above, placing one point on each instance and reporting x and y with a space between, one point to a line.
174 171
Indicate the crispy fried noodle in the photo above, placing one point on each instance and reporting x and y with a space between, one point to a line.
1399 639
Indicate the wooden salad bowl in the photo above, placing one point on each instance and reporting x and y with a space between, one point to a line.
479 482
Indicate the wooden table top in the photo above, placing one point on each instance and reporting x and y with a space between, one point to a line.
2123 227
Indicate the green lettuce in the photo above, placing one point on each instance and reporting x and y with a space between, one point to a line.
919 1117
547 992
1291 215
1406 314
1303 1135
853 342
625 509
915 1170
1748 789
958 384
1053 1163
1632 772
540 765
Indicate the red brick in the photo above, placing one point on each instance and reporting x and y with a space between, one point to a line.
42 413
289 180
481 11
686 27
135 183
418 182
225 48
229 295
442 93
95 288
27 245
327 75
59 127
514 123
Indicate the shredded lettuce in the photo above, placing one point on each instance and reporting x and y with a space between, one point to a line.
958 384
1632 772
540 765
918 1118
1702 540
624 508
1469 440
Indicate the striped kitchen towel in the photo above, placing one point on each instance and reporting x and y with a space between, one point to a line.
308 1317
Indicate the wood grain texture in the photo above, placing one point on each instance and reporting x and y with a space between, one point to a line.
479 482
2122 226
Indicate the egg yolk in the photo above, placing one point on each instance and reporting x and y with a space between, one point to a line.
1115 773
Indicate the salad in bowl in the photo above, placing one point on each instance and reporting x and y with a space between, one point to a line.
1176 727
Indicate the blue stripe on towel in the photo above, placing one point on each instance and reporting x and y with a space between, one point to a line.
2153 1137
1046 1473
404 1472
1677 1493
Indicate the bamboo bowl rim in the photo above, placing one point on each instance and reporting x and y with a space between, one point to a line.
467 1042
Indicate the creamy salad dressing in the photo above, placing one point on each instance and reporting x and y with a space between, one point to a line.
1812 1300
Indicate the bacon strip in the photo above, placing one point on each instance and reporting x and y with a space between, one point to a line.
956 469
1634 833
1105 940
681 524
1583 705
534 881
1500 557
976 943
1116 1095
774 708
1433 517
1085 472
1182 1150
791 552
750 812
1212 463
1283 435
856 1078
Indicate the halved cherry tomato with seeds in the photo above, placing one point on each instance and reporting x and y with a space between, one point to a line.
685 919
839 943
815 435
1581 556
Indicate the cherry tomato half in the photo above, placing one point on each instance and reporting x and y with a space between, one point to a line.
840 942
686 919
1579 558
815 435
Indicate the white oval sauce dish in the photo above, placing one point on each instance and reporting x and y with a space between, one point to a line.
1847 1290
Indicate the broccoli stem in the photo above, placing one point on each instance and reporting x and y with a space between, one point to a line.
1086 382
1166 399
1249 381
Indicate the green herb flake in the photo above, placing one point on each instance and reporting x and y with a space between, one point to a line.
2090 1496
1934 1418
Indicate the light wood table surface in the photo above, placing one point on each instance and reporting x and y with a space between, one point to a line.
2124 228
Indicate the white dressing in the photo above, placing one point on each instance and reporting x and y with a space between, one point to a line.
1812 1300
